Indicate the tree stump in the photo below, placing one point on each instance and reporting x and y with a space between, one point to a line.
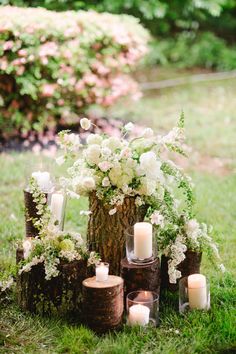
103 303
60 295
30 214
190 265
107 231
141 277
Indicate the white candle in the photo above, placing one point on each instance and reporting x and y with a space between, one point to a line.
43 180
142 240
102 272
138 315
56 207
27 247
197 291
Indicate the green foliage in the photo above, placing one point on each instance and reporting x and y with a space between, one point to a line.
188 50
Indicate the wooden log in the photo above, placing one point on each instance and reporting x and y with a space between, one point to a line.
60 295
190 265
141 277
30 213
107 231
103 303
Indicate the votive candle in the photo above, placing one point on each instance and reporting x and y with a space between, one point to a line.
102 270
138 315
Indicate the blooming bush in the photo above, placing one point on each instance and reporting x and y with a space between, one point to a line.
53 66
115 168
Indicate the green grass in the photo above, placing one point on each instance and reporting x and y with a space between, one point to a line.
197 332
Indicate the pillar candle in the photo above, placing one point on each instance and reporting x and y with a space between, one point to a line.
197 291
102 272
138 315
143 240
56 206
43 180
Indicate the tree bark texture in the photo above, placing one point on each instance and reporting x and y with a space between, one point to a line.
103 303
30 213
190 265
141 277
60 295
107 231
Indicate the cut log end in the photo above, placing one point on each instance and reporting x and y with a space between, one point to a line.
103 303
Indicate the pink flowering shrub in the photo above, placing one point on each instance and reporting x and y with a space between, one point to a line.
54 66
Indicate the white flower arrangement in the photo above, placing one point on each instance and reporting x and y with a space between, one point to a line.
115 168
52 245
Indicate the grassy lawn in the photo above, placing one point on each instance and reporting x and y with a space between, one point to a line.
211 130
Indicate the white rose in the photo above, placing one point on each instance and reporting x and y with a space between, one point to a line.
85 123
94 139
89 183
150 166
129 127
92 154
106 151
106 182
104 166
147 133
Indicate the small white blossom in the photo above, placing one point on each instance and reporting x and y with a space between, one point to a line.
129 127
112 211
105 166
222 268
147 133
157 219
6 284
106 182
85 123
92 154
85 212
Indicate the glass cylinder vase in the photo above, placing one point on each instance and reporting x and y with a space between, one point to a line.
142 308
140 250
193 298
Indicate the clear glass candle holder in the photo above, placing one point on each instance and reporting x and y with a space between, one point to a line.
145 253
102 271
142 308
57 204
193 298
